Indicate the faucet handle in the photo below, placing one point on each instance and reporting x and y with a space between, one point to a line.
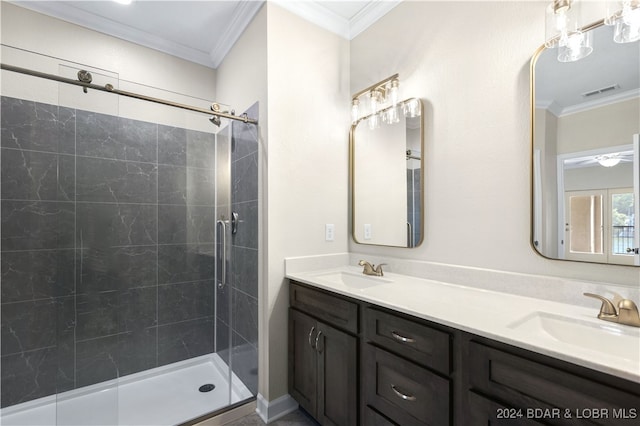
607 308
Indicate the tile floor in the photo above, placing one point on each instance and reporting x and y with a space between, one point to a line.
297 418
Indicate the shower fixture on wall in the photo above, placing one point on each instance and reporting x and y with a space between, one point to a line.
84 75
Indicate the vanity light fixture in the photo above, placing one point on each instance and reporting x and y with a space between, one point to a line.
383 102
608 160
563 31
625 16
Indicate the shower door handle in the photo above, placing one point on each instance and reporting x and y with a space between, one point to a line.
234 222
223 233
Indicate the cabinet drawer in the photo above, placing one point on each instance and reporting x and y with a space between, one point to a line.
333 310
485 412
403 391
373 418
525 383
416 341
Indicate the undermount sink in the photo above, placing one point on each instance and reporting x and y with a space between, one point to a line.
607 338
352 279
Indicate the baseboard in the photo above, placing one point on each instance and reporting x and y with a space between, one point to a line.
270 411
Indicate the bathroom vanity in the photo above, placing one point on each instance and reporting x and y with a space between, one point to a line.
362 352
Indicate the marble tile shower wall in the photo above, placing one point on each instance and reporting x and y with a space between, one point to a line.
244 258
107 248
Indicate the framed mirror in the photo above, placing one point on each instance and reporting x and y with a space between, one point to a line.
387 177
586 121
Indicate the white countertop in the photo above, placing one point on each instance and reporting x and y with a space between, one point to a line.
567 332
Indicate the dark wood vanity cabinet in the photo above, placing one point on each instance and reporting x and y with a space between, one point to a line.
398 370
405 371
508 385
323 355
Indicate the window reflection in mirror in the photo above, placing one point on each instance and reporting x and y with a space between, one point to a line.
387 179
586 121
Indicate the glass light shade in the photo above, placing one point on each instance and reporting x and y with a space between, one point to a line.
561 19
374 100
576 46
627 26
411 109
374 121
392 115
355 113
393 92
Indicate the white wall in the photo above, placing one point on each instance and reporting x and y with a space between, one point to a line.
469 62
308 107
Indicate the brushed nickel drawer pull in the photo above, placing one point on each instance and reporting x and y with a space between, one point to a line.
310 333
402 338
318 337
403 395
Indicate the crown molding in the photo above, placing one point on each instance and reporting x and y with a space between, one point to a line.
369 15
597 103
313 12
242 16
321 16
100 24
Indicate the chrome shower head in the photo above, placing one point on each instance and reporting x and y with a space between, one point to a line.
215 120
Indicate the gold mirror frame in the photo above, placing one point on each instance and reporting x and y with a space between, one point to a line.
413 238
535 220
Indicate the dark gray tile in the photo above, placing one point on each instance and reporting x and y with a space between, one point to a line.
247 231
96 360
185 224
245 137
185 185
96 314
172 145
108 136
222 343
35 324
200 149
185 301
137 309
185 262
37 274
108 225
137 351
34 225
245 316
244 174
184 340
113 181
30 175
37 126
119 268
29 375
244 270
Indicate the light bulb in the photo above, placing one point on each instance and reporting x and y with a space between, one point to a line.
575 46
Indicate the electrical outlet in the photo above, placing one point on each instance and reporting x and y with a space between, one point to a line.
329 232
367 231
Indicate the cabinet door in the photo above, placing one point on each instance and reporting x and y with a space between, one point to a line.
302 360
337 377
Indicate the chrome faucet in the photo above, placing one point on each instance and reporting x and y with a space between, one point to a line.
370 269
626 313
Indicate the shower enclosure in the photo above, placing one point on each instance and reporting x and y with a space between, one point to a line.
129 251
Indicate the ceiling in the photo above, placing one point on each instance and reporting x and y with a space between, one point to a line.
203 31
561 86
